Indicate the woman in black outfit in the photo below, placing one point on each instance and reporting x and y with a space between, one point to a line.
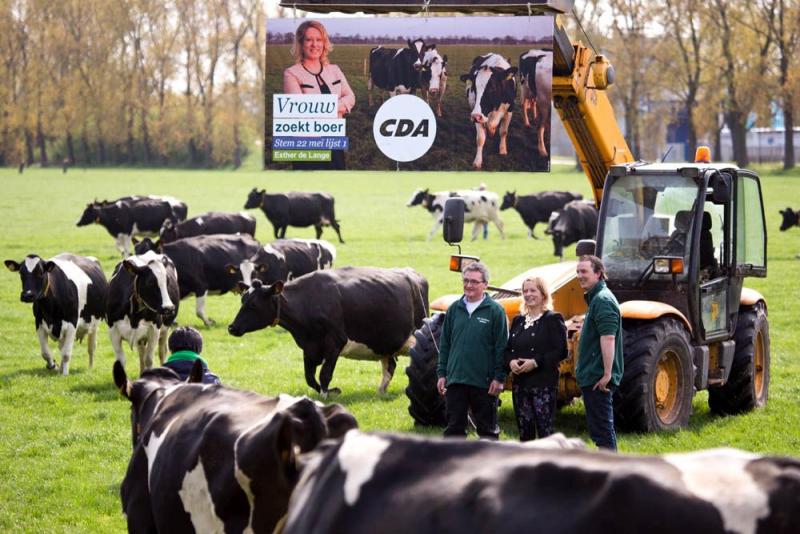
537 343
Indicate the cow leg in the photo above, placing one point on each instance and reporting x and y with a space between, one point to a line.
121 245
148 348
499 224
335 226
65 344
200 310
370 85
389 364
480 140
476 229
326 375
437 223
310 368
526 104
116 343
504 124
91 343
163 335
41 333
318 229
542 148
283 231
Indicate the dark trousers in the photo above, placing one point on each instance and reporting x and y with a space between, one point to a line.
535 409
600 416
459 399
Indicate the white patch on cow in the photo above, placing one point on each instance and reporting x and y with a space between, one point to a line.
31 263
77 276
358 351
197 501
358 455
118 203
719 477
277 253
199 221
152 447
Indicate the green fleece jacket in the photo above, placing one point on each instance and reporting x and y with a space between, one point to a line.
602 319
471 346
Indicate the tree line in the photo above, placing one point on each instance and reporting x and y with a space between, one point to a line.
130 82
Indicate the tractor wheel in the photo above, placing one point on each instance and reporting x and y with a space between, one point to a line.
426 406
748 383
658 384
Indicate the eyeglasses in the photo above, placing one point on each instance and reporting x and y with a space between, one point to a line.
471 282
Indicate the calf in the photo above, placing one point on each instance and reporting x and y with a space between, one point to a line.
575 221
214 222
295 209
68 293
141 305
537 207
790 218
285 259
363 313
396 70
536 75
371 482
433 77
202 263
480 207
491 91
214 459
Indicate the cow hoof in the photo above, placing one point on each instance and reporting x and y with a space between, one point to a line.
210 323
331 393
50 366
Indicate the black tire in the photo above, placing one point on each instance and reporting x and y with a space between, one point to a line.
748 383
426 406
658 383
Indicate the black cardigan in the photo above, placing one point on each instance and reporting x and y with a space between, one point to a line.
545 341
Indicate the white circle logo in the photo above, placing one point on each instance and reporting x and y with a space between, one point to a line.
404 128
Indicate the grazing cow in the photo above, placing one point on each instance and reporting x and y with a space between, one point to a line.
536 208
69 300
125 218
536 78
575 221
396 70
202 263
363 313
141 305
480 207
295 209
214 459
213 222
285 259
433 78
373 482
790 218
491 91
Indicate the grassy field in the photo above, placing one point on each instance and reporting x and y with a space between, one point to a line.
65 441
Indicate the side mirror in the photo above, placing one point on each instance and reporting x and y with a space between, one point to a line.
720 185
453 220
585 247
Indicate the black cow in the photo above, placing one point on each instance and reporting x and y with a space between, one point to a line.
285 259
575 221
396 70
141 305
125 218
202 263
491 91
295 209
393 484
214 459
179 207
213 222
536 208
363 313
790 218
68 293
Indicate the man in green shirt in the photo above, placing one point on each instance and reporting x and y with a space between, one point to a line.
471 369
600 361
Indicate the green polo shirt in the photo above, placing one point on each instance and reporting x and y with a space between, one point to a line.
186 355
602 319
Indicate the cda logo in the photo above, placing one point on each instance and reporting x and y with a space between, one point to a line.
404 128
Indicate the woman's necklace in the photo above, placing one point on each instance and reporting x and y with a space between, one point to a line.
530 320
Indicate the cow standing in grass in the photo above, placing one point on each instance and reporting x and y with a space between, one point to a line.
480 207
396 70
536 208
213 222
285 259
295 209
433 78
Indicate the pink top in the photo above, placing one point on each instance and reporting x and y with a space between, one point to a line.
296 80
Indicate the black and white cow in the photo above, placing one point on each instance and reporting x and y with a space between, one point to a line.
536 78
575 221
396 70
141 305
214 459
202 263
213 222
433 77
536 208
285 259
68 293
790 218
480 207
295 209
362 313
125 218
491 91
392 484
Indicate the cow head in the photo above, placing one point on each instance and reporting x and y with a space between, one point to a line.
154 281
433 65
260 308
90 214
790 218
146 245
33 272
417 197
509 200
491 90
254 198
417 48
168 231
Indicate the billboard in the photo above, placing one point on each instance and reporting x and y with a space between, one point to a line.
409 93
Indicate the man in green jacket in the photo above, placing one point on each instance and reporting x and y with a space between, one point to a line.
600 361
471 369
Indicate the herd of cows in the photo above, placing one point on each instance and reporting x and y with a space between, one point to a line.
212 458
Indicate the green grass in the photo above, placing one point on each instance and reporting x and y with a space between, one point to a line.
65 441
